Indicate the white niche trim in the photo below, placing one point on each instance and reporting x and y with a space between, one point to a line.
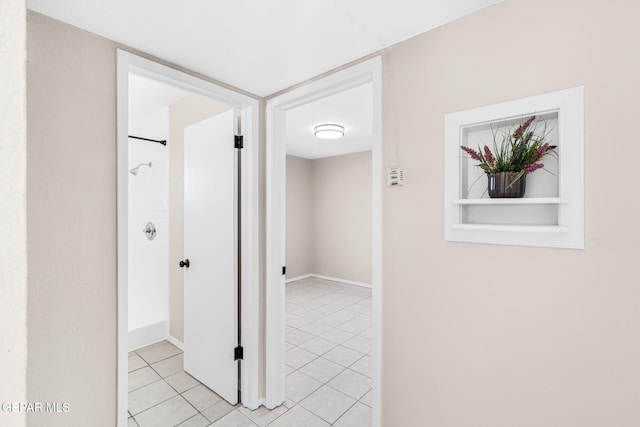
551 213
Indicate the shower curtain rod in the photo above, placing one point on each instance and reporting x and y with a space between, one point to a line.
163 141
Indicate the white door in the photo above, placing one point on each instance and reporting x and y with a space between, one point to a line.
211 246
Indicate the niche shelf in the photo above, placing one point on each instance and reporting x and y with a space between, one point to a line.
523 201
551 213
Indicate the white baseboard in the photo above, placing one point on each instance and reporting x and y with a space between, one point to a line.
147 335
176 342
332 279
345 281
293 279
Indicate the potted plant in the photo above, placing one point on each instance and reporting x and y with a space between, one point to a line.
517 154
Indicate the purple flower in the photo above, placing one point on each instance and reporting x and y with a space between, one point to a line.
523 127
533 167
542 150
488 156
518 152
471 152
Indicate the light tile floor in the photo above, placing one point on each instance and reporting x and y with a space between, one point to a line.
328 368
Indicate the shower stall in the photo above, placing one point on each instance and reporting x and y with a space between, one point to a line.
148 309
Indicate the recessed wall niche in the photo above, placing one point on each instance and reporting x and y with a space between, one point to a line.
551 211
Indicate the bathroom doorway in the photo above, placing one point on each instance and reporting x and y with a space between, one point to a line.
151 191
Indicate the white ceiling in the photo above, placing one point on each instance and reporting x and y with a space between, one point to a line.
352 109
256 45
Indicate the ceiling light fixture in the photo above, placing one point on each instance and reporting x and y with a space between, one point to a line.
329 131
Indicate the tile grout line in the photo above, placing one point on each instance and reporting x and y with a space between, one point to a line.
345 412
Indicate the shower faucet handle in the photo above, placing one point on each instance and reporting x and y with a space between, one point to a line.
149 230
184 263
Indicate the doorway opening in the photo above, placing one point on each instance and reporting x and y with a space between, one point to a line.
170 113
280 111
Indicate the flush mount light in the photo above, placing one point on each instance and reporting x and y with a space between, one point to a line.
329 131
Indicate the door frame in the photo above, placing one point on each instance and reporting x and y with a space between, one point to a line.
249 219
369 71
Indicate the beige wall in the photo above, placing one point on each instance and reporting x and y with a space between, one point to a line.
342 217
507 336
183 113
299 225
71 221
328 217
13 208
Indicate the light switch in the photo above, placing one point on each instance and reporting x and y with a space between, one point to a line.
395 176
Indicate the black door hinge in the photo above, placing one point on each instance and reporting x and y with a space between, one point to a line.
238 141
284 270
238 353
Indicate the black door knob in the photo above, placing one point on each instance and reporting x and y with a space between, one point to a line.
184 263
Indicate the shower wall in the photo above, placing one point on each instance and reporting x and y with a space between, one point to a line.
148 259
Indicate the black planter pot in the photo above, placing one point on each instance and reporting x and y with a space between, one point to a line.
506 185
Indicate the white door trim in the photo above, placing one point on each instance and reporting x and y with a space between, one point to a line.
249 220
364 72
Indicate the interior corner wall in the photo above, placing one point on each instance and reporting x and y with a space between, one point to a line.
183 113
329 217
342 217
13 225
71 220
299 215
507 335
